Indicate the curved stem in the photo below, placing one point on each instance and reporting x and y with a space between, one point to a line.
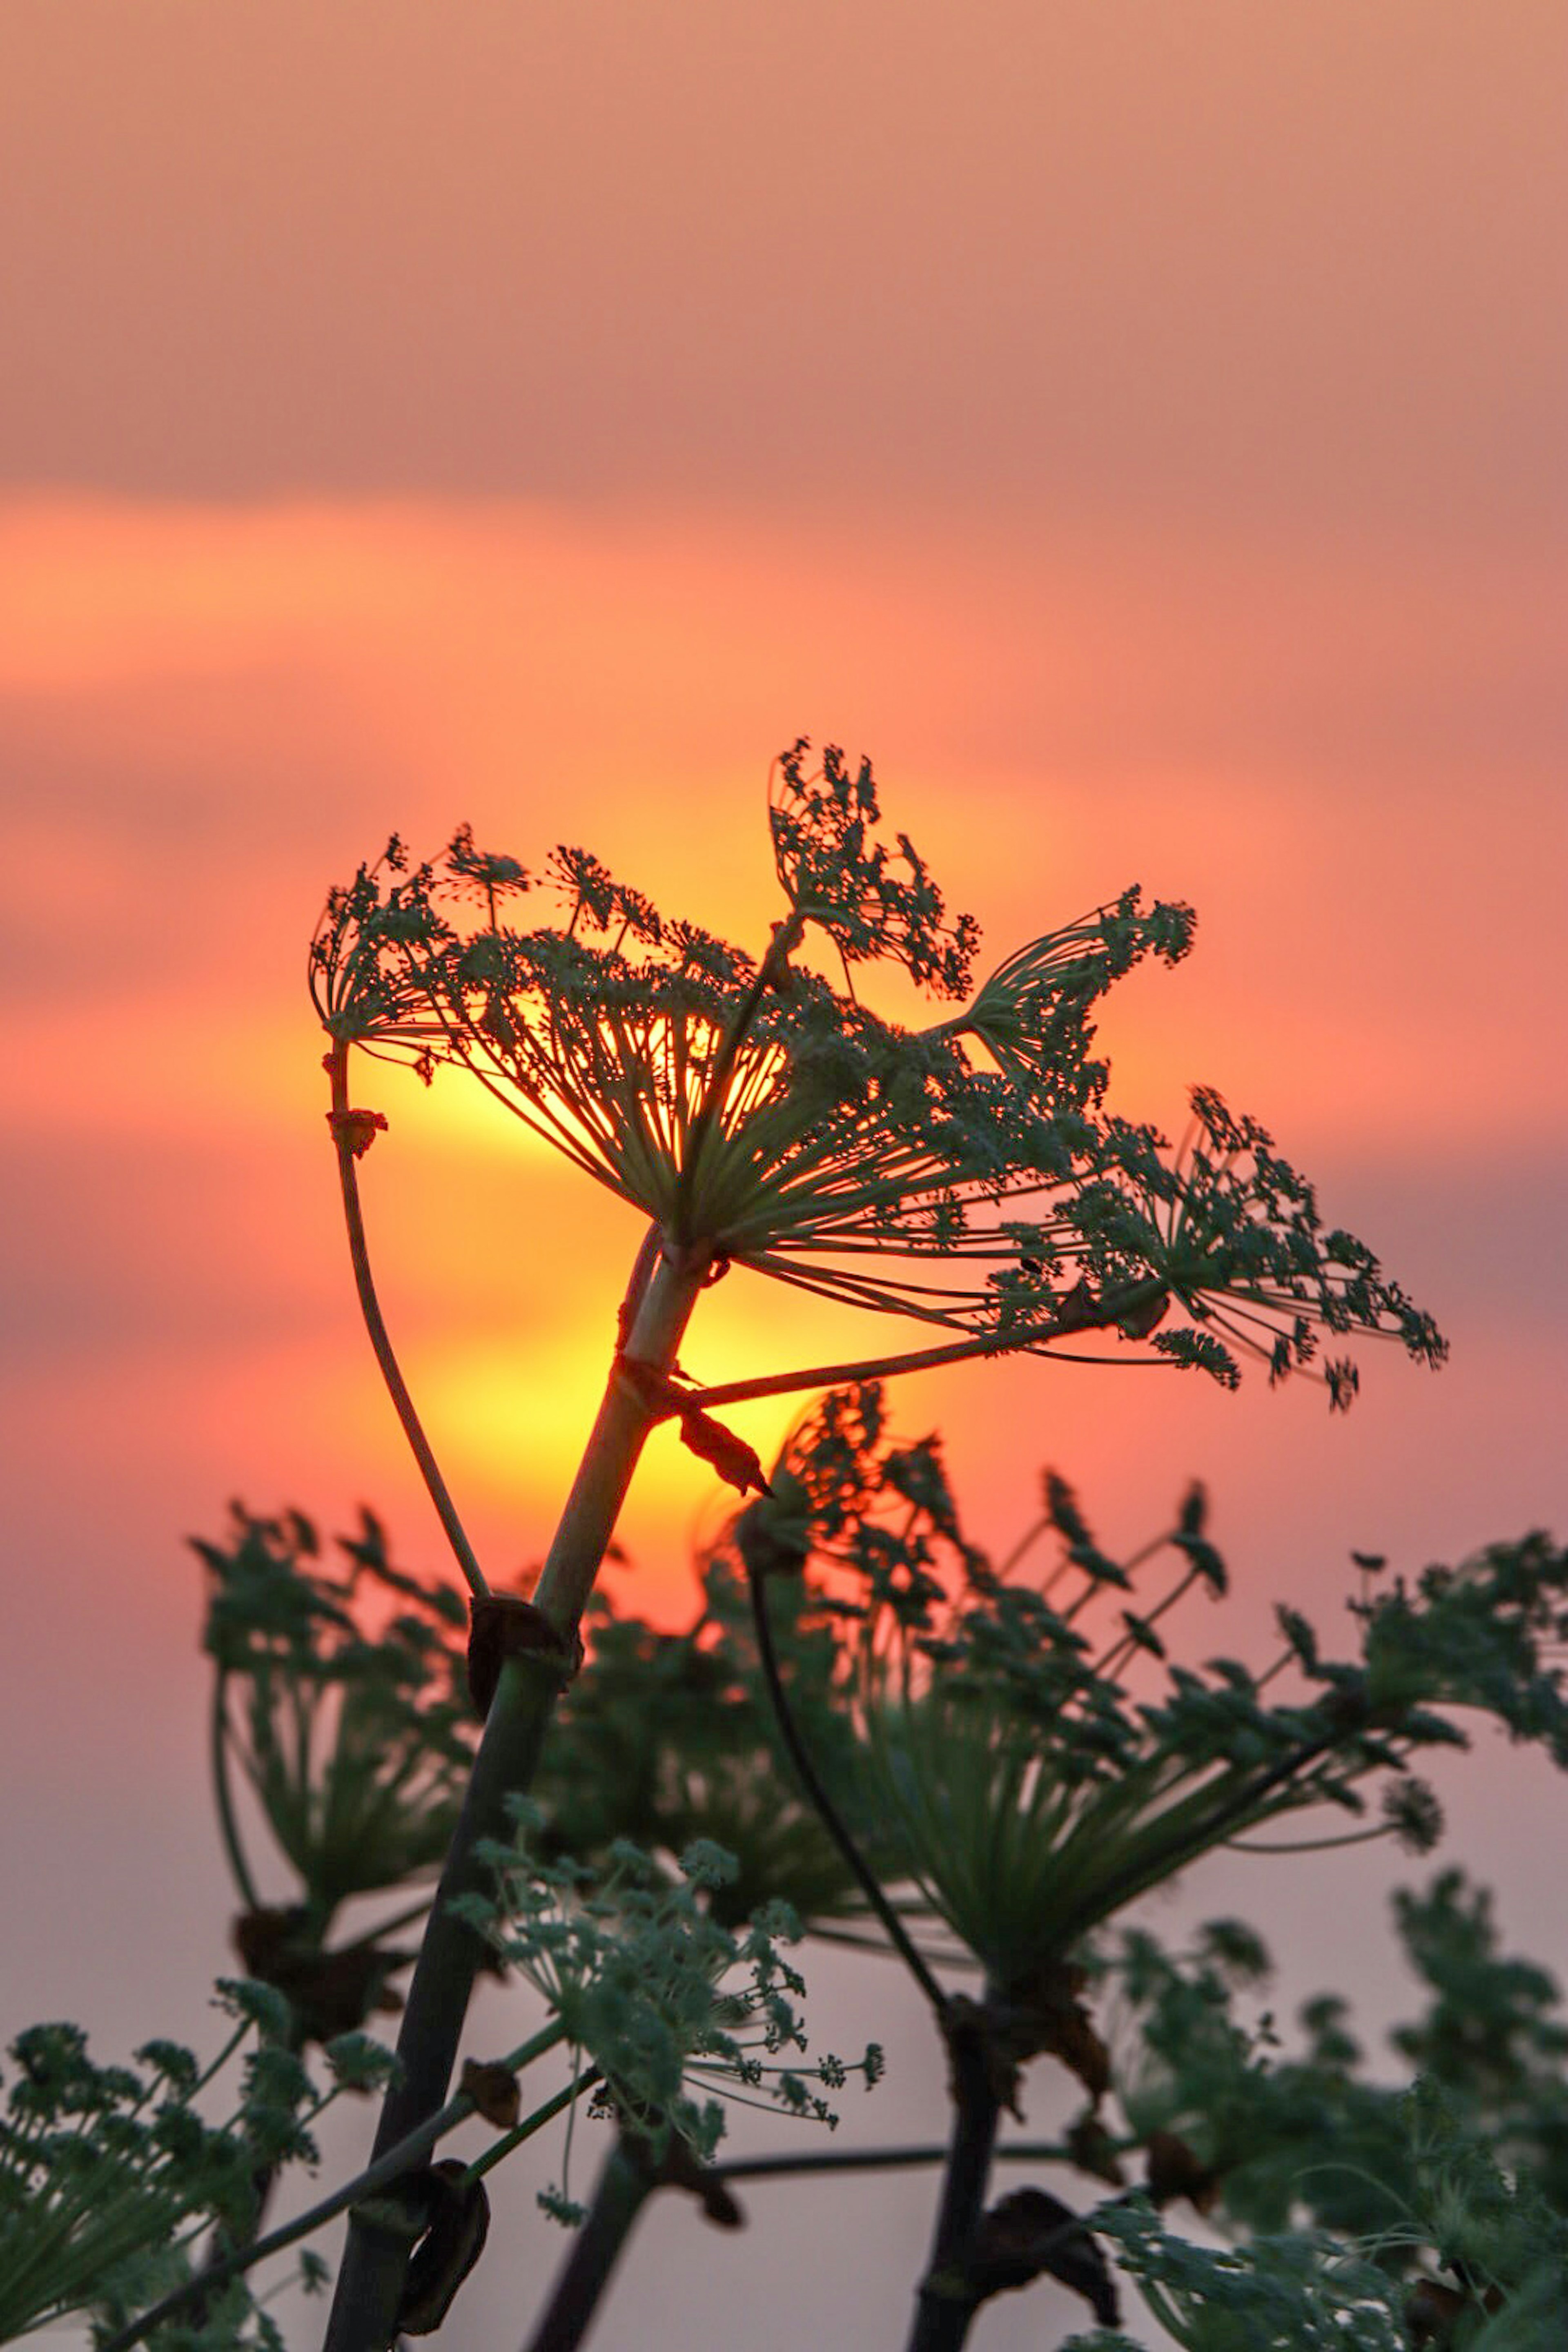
223 1798
833 1822
1310 1845
375 1324
887 2159
625 2186
848 1939
370 2282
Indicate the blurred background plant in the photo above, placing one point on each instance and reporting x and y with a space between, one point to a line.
1008 1759
353 1734
1034 1762
110 2177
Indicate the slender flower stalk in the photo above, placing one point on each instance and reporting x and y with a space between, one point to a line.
803 2162
946 2301
896 1933
352 1133
1084 1316
627 2182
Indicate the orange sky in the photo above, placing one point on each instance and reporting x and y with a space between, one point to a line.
1140 431
214 711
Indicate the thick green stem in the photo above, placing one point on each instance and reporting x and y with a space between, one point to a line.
364 2311
623 2186
947 2302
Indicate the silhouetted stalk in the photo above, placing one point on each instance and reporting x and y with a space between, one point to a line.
832 1821
946 2301
625 2186
889 2159
369 2283
223 1796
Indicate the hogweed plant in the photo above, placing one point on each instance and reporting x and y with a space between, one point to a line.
760 1115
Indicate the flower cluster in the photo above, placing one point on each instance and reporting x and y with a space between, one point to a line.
1493 2255
964 1173
1018 1771
1267 2134
108 2173
670 2006
871 902
1037 1796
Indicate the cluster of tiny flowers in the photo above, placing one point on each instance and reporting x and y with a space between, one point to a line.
672 2008
965 1173
108 2172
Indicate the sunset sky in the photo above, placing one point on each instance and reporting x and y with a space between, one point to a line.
1138 427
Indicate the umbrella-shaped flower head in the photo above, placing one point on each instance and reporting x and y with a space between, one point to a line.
758 1113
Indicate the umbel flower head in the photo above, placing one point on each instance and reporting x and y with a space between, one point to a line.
965 1173
1035 1796
671 2006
